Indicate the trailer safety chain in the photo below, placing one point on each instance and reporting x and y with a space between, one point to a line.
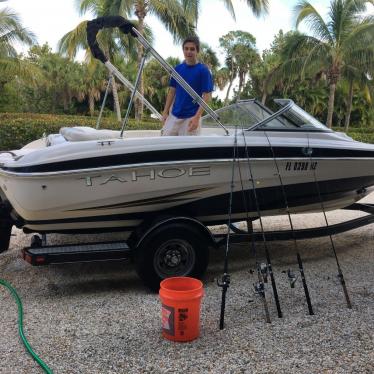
40 362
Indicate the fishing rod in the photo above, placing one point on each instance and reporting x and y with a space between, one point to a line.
291 277
268 268
225 282
259 286
308 152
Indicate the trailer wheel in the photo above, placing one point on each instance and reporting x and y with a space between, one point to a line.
5 233
171 251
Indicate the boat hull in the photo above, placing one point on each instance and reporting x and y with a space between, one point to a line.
122 197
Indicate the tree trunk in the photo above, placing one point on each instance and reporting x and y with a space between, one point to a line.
117 107
264 96
140 12
91 104
241 84
54 101
65 102
349 108
330 111
228 92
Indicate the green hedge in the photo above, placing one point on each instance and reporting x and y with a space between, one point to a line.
18 129
362 137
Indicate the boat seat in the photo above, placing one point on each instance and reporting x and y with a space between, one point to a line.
54 139
82 133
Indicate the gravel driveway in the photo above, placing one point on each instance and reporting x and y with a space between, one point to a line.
98 318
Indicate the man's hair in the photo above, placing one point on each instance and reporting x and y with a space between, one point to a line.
192 39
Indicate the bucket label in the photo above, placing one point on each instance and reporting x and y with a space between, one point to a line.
182 320
168 313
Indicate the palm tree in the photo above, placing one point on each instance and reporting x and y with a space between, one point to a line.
170 13
156 81
355 79
208 57
178 16
222 77
241 54
11 32
334 43
90 85
112 42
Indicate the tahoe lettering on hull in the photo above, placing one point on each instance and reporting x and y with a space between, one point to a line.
146 174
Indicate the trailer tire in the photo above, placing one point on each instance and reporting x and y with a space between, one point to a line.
5 233
169 251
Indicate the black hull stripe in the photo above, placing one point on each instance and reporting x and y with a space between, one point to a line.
269 198
185 195
213 153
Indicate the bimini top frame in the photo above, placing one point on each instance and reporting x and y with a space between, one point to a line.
94 26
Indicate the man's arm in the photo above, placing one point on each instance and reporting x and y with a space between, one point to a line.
169 102
194 123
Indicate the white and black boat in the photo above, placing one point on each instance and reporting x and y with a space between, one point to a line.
117 183
86 180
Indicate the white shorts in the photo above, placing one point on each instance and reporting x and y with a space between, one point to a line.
178 126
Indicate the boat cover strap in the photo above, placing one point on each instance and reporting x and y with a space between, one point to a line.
94 26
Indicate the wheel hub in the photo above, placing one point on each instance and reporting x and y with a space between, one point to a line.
175 257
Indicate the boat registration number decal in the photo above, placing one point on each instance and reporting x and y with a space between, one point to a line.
301 165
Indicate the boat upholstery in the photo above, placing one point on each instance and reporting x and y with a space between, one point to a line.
82 133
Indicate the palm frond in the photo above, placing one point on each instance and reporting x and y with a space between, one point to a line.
93 6
6 48
229 6
72 41
172 16
344 16
120 7
258 7
361 34
305 12
11 28
361 58
192 8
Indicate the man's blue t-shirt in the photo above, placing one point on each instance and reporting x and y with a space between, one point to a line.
199 78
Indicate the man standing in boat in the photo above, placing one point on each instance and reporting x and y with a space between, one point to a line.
185 116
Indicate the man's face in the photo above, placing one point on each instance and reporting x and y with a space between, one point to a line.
190 53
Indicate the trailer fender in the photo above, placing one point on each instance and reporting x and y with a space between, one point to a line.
181 219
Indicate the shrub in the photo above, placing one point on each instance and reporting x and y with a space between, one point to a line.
18 129
362 137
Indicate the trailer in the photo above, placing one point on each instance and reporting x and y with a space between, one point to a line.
174 246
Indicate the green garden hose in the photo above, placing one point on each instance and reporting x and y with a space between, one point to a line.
41 363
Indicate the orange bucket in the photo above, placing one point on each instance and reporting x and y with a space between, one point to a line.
181 300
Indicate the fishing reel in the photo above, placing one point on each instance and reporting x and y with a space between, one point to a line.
225 282
264 272
292 278
259 289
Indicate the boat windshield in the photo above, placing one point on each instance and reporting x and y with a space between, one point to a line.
298 117
243 113
250 114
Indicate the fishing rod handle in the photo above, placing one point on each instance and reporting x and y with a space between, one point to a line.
94 26
305 286
344 286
